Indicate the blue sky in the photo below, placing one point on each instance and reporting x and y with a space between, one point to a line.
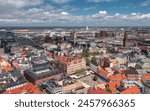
112 6
75 12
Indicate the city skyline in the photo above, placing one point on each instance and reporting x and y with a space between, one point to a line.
75 13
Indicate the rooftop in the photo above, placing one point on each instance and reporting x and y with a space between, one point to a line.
8 68
146 77
131 71
132 90
117 77
114 85
42 73
98 91
11 79
72 86
28 89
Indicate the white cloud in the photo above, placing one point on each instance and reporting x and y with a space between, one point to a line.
42 16
133 14
117 14
20 3
106 19
64 13
103 12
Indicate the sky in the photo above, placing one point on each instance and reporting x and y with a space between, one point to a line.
74 12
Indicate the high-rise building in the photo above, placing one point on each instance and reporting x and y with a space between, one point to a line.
7 38
104 34
125 39
74 37
101 34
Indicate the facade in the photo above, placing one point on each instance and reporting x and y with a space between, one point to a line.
71 65
74 37
75 65
104 34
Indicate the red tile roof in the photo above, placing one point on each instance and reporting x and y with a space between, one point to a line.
23 54
8 68
29 88
146 77
132 90
98 91
117 77
114 85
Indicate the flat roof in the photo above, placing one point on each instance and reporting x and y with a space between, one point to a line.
42 71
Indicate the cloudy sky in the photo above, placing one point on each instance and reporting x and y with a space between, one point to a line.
74 12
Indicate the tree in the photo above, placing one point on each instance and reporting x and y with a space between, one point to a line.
43 86
108 89
87 62
93 60
85 53
95 53
95 78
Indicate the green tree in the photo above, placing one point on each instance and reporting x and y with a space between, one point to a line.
85 53
95 53
95 78
88 61
43 86
108 89
93 60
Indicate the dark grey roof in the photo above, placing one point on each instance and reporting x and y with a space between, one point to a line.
131 71
121 88
41 75
15 74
